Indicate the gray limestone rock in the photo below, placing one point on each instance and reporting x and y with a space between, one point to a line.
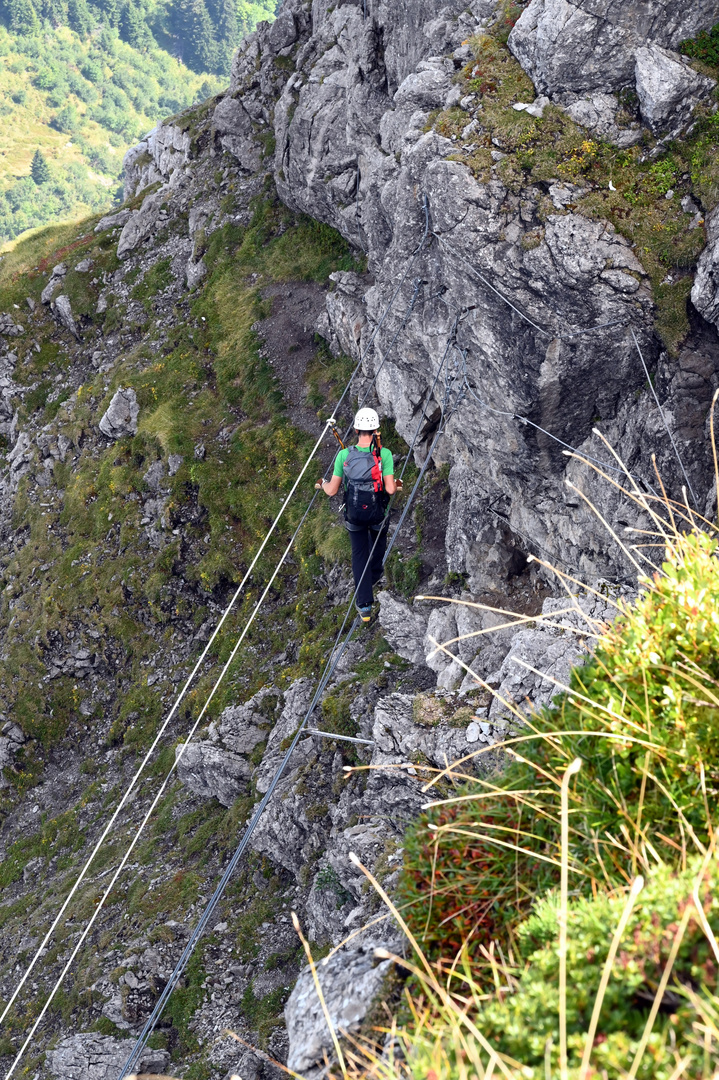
236 131
155 475
668 89
164 150
598 112
11 739
9 327
243 727
551 650
58 273
99 1057
705 291
346 317
113 221
580 47
350 981
296 702
120 419
403 626
400 738
209 771
195 272
141 224
62 308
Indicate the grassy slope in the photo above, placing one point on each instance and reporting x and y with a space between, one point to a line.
194 381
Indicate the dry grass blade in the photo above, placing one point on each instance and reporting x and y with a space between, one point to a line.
430 977
663 983
563 906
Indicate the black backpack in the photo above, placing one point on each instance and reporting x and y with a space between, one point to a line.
365 497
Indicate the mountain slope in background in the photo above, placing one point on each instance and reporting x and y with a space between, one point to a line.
81 84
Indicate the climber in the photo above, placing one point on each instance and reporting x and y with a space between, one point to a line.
368 473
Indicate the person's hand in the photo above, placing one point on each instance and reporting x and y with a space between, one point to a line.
318 485
399 484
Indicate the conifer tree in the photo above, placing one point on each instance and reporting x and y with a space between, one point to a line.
23 17
204 42
79 18
111 12
39 170
193 26
134 29
225 19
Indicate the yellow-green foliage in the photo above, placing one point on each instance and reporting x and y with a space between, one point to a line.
88 535
512 1011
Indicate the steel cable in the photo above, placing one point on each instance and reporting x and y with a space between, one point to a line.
331 665
41 949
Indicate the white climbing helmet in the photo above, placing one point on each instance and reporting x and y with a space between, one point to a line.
366 420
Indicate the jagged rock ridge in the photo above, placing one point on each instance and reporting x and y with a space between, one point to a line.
338 99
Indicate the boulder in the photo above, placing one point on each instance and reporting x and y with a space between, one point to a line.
141 224
211 772
62 309
9 327
11 739
113 221
120 419
236 132
350 981
577 47
598 112
58 273
668 89
705 291
88 1056
195 272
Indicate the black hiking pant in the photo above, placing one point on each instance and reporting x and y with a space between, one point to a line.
363 541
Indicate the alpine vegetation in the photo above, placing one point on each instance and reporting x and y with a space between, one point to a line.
358 540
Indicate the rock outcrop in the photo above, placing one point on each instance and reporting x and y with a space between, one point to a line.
99 1057
503 314
578 46
120 417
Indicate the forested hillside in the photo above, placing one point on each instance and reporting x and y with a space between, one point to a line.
80 83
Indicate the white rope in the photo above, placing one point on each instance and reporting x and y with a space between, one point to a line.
330 666
162 730
148 815
160 733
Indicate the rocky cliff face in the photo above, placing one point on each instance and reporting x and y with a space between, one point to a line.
522 305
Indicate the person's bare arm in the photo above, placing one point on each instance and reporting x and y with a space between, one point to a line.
390 484
330 487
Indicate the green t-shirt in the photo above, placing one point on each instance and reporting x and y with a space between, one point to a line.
386 457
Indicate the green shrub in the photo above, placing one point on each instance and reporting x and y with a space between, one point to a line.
643 715
704 47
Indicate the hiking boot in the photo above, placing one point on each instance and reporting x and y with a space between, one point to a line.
365 613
